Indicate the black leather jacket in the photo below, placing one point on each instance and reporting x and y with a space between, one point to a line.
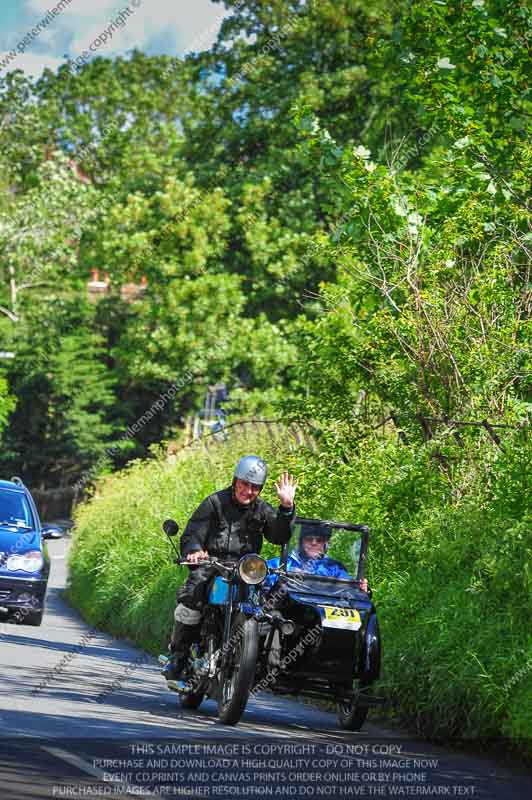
226 529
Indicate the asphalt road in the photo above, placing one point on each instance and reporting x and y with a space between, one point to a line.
85 715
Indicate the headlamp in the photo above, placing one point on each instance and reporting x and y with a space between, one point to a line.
252 569
28 562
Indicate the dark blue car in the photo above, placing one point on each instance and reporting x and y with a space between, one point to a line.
24 561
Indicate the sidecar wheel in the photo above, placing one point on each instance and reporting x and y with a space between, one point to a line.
192 701
352 716
237 679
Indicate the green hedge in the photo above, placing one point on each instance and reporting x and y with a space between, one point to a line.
449 561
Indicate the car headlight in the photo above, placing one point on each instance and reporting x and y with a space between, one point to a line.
27 562
252 569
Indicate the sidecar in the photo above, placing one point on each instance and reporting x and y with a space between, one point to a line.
322 636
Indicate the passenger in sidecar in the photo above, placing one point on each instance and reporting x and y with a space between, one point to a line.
309 556
333 648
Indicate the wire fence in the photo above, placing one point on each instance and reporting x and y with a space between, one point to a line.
293 432
430 424
305 436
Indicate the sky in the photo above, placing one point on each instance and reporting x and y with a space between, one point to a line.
170 27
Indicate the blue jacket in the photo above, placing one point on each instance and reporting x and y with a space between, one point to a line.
315 566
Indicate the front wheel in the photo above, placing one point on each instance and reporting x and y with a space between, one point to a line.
239 672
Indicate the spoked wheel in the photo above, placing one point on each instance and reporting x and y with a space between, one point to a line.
352 714
237 677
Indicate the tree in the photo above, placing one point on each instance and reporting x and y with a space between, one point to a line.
269 58
40 230
429 315
7 402
65 418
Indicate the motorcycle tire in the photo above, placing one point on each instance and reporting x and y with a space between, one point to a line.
237 678
192 701
352 715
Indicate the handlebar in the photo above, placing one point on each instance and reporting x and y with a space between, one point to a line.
206 562
226 566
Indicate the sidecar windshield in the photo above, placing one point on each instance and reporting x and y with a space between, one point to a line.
326 550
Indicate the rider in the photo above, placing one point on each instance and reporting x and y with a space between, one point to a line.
310 555
227 524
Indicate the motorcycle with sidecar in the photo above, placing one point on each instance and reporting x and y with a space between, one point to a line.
284 626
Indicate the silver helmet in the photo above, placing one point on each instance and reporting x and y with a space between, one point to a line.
251 469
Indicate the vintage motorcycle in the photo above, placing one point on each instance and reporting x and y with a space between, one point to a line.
280 626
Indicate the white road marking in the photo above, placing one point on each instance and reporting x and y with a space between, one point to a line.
85 766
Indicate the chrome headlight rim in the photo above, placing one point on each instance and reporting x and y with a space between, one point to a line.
252 569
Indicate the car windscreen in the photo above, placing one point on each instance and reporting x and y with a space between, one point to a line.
319 550
15 510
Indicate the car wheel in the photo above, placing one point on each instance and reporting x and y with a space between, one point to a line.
33 618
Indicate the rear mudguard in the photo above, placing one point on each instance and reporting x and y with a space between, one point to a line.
371 663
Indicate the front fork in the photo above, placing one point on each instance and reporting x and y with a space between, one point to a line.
250 606
246 606
279 626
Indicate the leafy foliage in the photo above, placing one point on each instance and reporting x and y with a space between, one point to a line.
65 397
7 403
430 314
329 211
449 563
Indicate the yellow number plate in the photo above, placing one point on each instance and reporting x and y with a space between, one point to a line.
334 617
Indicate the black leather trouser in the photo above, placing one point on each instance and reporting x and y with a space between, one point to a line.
183 636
